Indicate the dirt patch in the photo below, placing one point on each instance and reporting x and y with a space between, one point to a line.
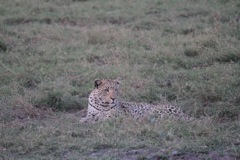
71 22
158 154
155 12
146 26
214 155
17 21
192 13
115 20
63 21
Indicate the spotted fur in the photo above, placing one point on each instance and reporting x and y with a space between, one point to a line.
103 103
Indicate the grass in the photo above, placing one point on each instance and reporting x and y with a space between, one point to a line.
182 52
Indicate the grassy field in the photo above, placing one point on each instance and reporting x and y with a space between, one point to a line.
183 52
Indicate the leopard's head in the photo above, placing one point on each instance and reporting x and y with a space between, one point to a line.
105 94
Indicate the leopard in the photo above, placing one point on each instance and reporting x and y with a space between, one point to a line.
104 102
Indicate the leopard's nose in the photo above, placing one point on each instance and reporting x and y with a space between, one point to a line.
113 98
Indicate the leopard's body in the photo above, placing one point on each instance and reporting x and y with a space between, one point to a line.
103 103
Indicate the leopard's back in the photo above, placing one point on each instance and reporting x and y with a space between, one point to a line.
145 110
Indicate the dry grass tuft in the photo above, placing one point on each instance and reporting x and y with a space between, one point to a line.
25 110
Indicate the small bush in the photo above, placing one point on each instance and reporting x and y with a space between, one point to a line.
54 100
59 101
30 82
227 115
187 31
3 46
231 57
191 53
210 44
99 36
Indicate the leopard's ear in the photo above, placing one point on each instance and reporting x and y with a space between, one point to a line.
97 83
118 80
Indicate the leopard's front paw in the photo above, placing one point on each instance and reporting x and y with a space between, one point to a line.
84 120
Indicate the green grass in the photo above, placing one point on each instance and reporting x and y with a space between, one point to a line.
182 52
